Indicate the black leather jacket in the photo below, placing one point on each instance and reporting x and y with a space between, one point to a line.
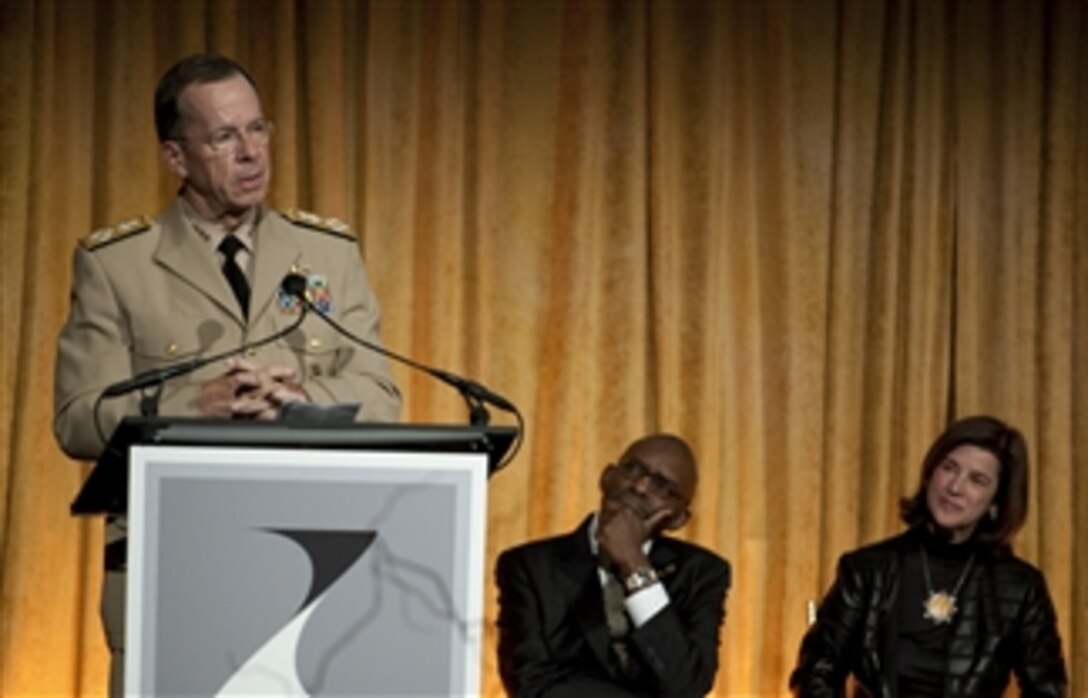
1005 624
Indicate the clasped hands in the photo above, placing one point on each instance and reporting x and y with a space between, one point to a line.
250 391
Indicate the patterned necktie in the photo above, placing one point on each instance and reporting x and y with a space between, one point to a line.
235 276
615 613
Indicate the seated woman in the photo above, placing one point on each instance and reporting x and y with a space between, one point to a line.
944 609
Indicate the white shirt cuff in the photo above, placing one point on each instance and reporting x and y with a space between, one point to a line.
644 604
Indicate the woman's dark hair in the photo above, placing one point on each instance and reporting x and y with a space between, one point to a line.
200 68
1011 499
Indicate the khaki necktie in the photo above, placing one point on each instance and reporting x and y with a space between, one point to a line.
615 613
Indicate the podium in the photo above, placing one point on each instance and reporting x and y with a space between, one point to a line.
297 559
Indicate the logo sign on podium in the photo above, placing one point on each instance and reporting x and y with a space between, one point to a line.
265 571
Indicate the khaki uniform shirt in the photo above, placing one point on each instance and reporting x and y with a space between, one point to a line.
151 294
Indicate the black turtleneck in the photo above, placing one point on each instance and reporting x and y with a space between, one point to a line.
922 643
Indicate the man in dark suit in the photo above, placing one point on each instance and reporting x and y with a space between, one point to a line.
614 608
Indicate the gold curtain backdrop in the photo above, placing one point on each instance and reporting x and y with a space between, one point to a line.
805 235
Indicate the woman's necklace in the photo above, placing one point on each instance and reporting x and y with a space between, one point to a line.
940 606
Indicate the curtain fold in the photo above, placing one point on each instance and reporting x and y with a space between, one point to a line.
803 235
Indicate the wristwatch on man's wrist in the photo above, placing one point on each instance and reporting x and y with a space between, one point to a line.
640 579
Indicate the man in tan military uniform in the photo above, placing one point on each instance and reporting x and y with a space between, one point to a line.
150 293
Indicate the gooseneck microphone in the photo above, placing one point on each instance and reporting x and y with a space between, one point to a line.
476 396
156 377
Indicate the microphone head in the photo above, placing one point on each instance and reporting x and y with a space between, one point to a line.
294 285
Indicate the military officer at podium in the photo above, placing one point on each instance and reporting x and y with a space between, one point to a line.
204 277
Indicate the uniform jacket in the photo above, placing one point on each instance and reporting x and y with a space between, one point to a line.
150 294
1005 624
554 639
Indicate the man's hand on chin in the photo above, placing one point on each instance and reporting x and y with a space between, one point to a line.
623 527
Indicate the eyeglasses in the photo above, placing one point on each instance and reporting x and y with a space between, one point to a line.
227 140
660 485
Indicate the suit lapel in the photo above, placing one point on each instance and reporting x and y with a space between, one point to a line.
580 586
180 250
665 562
277 251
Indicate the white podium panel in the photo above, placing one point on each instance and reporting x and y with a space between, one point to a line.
304 572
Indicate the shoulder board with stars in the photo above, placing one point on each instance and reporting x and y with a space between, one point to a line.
105 236
332 226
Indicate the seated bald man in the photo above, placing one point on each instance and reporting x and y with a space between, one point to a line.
615 608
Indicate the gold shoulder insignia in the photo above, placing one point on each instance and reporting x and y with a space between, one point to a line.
104 236
332 226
